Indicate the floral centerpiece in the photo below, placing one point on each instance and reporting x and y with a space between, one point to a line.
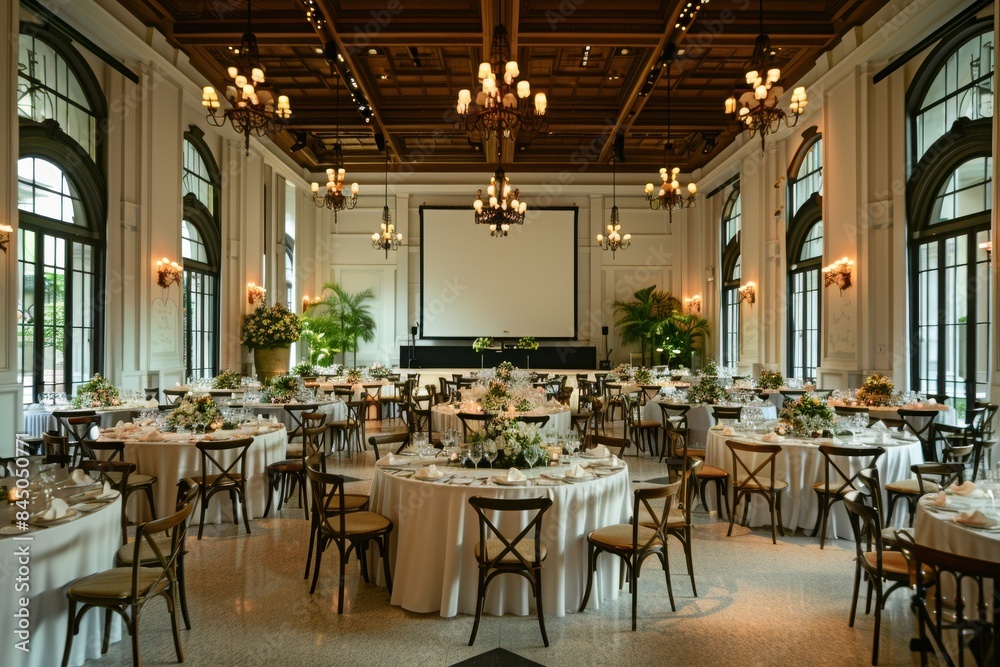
282 389
512 439
482 344
624 371
497 397
708 389
194 411
379 371
877 390
268 328
770 380
642 375
504 372
305 369
808 416
527 343
227 379
353 376
97 392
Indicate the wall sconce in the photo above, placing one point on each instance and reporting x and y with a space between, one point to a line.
308 303
748 293
167 272
985 245
838 273
693 304
255 294
6 231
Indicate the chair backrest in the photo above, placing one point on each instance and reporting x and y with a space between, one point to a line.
600 379
473 422
343 392
63 416
866 525
174 395
313 434
612 443
541 420
396 442
488 529
295 412
988 420
871 481
726 412
145 536
122 468
372 391
679 411
944 474
975 612
187 491
152 394
921 424
103 450
328 497
354 409
55 444
840 480
642 498
212 453
742 453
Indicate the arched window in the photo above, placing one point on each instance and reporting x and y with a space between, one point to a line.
200 247
805 256
949 210
62 211
731 279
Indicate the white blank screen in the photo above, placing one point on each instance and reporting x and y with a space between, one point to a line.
475 285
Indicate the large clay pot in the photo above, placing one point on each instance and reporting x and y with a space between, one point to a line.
270 362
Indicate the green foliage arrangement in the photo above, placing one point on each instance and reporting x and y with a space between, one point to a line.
97 392
527 343
482 344
270 327
194 411
282 389
227 379
338 322
512 439
770 380
877 390
808 416
304 369
641 319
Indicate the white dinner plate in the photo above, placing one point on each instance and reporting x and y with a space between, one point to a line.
68 516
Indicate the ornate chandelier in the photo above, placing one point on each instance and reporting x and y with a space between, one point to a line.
500 106
386 238
503 207
670 196
334 198
254 109
757 110
614 241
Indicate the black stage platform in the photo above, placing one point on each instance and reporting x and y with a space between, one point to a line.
463 356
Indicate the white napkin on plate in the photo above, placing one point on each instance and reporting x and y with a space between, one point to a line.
771 437
107 490
57 510
599 452
977 519
80 477
879 426
940 499
430 472
515 475
966 488
728 430
615 462
577 471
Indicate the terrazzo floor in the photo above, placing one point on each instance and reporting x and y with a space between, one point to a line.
759 604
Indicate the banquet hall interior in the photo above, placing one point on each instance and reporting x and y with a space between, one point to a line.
342 289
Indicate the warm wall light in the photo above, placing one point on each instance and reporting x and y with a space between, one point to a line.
985 245
748 293
167 272
307 303
6 231
838 273
255 294
693 304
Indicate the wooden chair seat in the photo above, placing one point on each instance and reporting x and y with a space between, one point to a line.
357 523
620 536
912 485
290 465
762 483
136 479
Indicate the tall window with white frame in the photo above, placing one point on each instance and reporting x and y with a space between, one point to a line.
61 203
730 292
805 252
950 105
200 248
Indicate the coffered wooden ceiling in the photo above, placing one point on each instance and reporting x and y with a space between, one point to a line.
407 60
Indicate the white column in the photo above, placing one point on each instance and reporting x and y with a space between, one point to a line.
10 388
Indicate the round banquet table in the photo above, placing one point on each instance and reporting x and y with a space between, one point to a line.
172 456
444 416
36 422
334 411
59 554
435 530
801 465
699 418
891 412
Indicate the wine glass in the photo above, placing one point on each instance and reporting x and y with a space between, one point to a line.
530 456
476 453
490 452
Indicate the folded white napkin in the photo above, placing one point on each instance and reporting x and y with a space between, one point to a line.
977 519
728 430
147 434
515 475
106 491
57 509
940 499
79 477
553 403
599 452
879 426
963 489
615 462
430 472
577 470
772 437
391 459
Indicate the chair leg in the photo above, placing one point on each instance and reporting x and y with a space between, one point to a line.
243 505
175 626
854 596
340 586
538 606
182 591
309 553
633 585
149 496
320 545
383 549
687 557
232 500
134 631
591 564
204 508
270 493
106 640
69 632
781 523
666 572
878 622
480 598
732 513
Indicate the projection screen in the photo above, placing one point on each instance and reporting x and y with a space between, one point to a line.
472 284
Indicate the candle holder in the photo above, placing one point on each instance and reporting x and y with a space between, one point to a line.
255 294
168 273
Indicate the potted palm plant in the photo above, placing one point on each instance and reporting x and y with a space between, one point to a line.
641 319
346 318
682 336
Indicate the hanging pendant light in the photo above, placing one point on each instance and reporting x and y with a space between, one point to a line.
614 241
386 238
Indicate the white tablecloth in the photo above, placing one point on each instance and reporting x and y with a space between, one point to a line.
699 419
36 422
801 465
173 459
435 532
444 417
58 555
